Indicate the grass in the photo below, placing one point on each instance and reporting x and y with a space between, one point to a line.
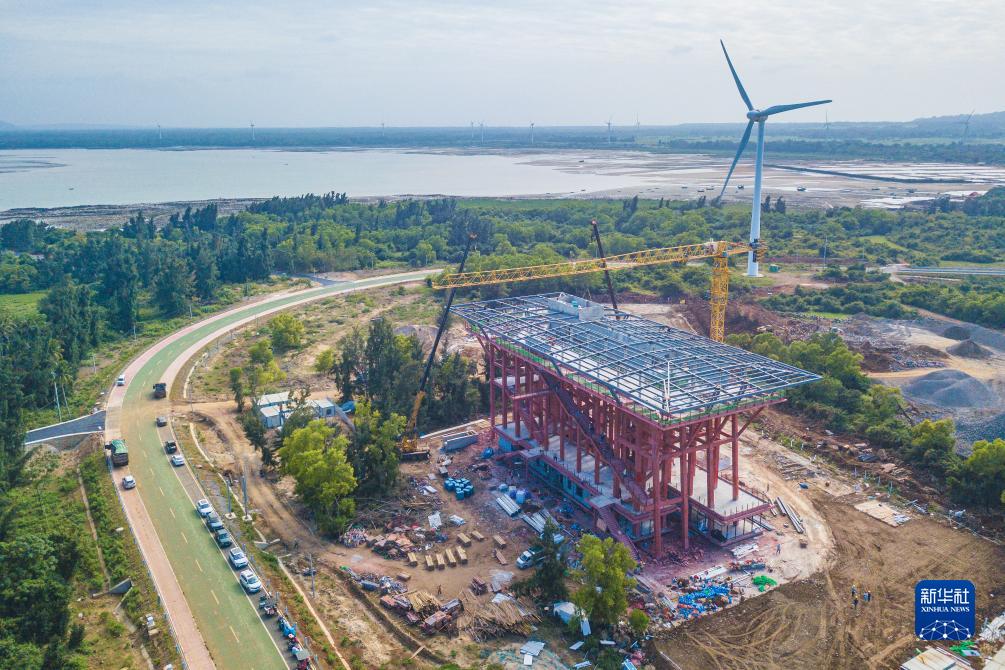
882 239
837 316
21 304
52 504
123 559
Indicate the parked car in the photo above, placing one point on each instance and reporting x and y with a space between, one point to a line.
249 580
223 538
237 558
121 381
529 558
213 522
203 507
177 460
162 421
128 482
170 446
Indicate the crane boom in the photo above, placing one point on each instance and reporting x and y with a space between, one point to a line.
627 261
719 252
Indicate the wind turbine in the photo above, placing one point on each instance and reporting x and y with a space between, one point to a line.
966 126
532 132
252 131
481 128
609 129
160 136
758 116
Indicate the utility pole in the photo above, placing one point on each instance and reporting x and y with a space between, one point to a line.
310 559
55 393
230 498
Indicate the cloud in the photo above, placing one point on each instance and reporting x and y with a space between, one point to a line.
433 63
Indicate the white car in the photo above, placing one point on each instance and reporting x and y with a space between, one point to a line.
249 580
121 381
128 482
204 508
237 558
177 460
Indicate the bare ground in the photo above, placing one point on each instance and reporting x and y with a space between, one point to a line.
811 623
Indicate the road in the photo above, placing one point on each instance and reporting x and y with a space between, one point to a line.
952 271
215 624
91 423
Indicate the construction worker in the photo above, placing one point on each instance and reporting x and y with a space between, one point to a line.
778 548
854 591
854 603
867 596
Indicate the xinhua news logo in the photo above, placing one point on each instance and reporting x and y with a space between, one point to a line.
944 609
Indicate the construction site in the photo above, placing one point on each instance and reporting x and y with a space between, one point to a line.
626 418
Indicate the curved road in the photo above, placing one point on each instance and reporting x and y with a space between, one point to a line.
215 624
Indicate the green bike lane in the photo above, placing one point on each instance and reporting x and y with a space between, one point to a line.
228 620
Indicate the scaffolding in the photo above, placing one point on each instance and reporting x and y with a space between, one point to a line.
602 405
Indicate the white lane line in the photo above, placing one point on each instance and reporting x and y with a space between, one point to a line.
214 596
161 490
234 634
198 565
172 513
183 537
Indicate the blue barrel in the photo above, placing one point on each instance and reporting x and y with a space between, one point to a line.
468 490
449 485
512 492
503 488
460 494
521 497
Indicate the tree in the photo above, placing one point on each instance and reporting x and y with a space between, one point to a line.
254 430
207 275
237 386
547 584
349 366
119 284
316 459
173 285
325 361
373 449
287 332
604 570
933 445
262 368
980 479
638 620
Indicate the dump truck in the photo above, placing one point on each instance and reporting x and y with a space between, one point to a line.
120 455
160 390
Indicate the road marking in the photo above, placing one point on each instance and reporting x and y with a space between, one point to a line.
234 634
151 471
214 596
197 565
161 490
183 537
172 512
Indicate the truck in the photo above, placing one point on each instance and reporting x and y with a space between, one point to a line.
120 455
160 390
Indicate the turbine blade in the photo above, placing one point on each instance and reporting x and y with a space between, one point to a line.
739 151
778 109
736 78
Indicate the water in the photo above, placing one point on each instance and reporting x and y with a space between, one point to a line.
68 177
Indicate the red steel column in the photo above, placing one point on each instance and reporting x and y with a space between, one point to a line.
710 467
735 443
492 387
657 497
685 492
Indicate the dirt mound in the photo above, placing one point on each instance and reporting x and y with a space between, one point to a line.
969 349
950 389
956 333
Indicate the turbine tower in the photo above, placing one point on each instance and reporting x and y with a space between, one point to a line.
966 126
758 116
252 131
532 132
609 129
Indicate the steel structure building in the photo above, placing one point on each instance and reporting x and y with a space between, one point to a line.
626 417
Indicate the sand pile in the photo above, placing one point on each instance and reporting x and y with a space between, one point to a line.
956 333
950 389
969 349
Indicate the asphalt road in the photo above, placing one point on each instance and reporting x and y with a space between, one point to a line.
91 423
226 618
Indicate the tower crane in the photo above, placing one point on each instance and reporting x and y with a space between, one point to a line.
719 252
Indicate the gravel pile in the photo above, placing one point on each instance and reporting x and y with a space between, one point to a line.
955 332
969 349
950 389
992 429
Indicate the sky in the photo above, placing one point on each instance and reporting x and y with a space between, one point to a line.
188 63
